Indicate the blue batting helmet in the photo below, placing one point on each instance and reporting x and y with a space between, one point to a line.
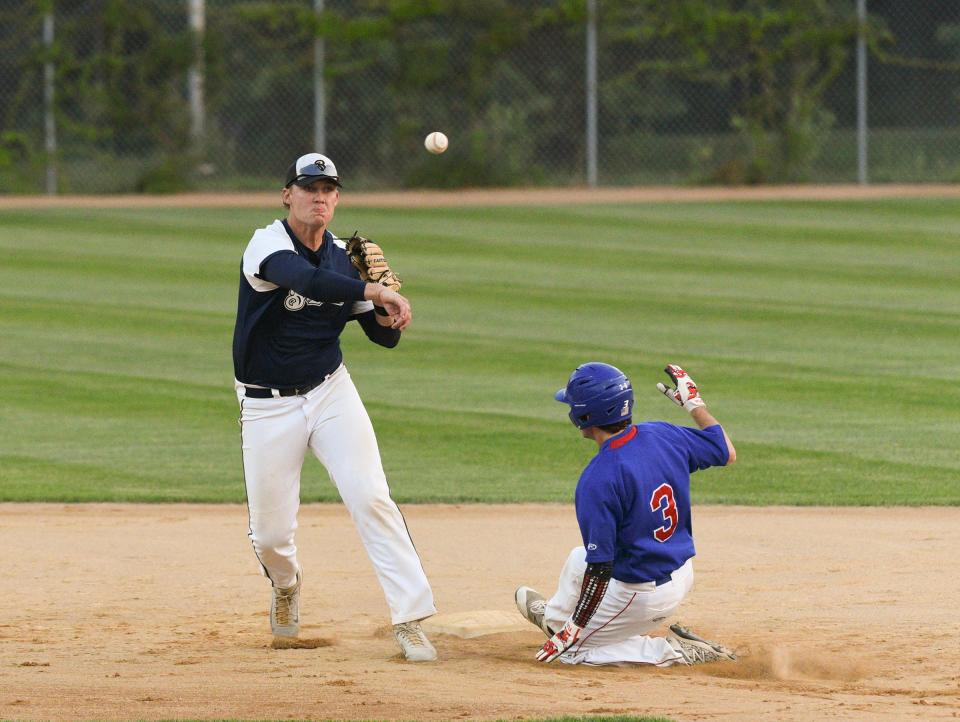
598 394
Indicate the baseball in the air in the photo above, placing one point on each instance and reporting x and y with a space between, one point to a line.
436 142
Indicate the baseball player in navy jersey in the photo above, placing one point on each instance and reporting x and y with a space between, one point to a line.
633 509
298 290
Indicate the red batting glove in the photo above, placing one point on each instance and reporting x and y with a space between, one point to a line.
685 395
559 642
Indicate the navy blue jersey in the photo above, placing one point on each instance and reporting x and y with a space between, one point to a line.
633 499
292 306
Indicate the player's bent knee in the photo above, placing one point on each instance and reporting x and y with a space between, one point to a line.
578 555
576 562
372 505
273 539
365 491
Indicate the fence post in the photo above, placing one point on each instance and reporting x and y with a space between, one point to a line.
862 176
50 121
591 63
319 90
196 11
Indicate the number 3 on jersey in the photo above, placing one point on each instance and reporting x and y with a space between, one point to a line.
662 501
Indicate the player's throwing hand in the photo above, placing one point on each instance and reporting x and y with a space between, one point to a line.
396 306
559 642
685 395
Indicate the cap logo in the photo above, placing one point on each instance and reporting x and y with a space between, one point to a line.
321 164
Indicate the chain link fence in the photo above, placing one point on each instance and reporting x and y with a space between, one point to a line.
163 95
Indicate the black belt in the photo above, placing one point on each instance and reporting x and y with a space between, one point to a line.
656 582
255 393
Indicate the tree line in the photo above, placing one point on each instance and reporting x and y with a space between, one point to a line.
508 75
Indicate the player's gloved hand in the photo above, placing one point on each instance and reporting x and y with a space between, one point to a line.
559 642
367 257
685 395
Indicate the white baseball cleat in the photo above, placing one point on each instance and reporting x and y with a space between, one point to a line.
285 610
696 650
532 606
414 643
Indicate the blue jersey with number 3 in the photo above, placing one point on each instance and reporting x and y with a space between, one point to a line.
633 499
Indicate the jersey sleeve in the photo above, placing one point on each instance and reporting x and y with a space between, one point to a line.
290 270
705 448
272 262
265 243
382 335
599 512
358 308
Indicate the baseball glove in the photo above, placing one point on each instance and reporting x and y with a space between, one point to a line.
367 258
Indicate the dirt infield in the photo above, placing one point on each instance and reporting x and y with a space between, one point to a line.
158 612
501 197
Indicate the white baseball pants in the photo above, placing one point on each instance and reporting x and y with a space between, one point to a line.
617 632
332 422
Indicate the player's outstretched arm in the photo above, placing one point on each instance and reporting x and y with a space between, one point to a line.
687 396
703 419
289 270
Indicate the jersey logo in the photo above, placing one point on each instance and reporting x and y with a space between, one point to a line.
591 547
295 302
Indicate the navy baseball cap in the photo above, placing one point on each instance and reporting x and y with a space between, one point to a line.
310 168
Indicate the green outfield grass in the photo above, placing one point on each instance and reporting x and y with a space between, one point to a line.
825 336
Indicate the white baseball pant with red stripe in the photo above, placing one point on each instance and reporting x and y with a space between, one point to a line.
617 632
332 422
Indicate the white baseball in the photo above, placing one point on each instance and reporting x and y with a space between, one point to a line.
436 142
